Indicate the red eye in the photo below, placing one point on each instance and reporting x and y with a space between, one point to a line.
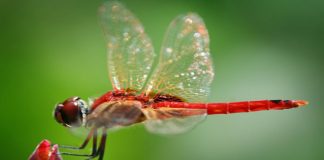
70 112
57 113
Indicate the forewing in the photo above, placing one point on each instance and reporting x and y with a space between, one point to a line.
185 67
129 50
166 121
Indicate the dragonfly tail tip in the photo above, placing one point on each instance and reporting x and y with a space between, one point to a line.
300 102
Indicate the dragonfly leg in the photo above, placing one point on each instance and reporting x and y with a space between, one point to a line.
94 143
74 154
101 149
94 146
92 133
103 144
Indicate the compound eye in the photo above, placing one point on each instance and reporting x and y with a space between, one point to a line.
58 115
69 113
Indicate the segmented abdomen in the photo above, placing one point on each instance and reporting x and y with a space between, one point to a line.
235 107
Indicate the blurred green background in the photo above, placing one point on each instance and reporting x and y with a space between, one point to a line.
51 50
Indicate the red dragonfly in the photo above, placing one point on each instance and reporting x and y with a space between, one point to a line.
168 100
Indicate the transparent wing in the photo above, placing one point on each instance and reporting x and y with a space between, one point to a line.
80 132
168 121
130 51
185 67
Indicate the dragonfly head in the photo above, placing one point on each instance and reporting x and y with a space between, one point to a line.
71 113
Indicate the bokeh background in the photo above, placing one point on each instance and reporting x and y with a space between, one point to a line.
51 50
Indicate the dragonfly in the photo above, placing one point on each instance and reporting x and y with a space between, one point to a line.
168 97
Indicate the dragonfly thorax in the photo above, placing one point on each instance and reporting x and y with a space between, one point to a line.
72 112
116 113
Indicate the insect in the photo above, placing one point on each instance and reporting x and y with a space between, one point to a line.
167 100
